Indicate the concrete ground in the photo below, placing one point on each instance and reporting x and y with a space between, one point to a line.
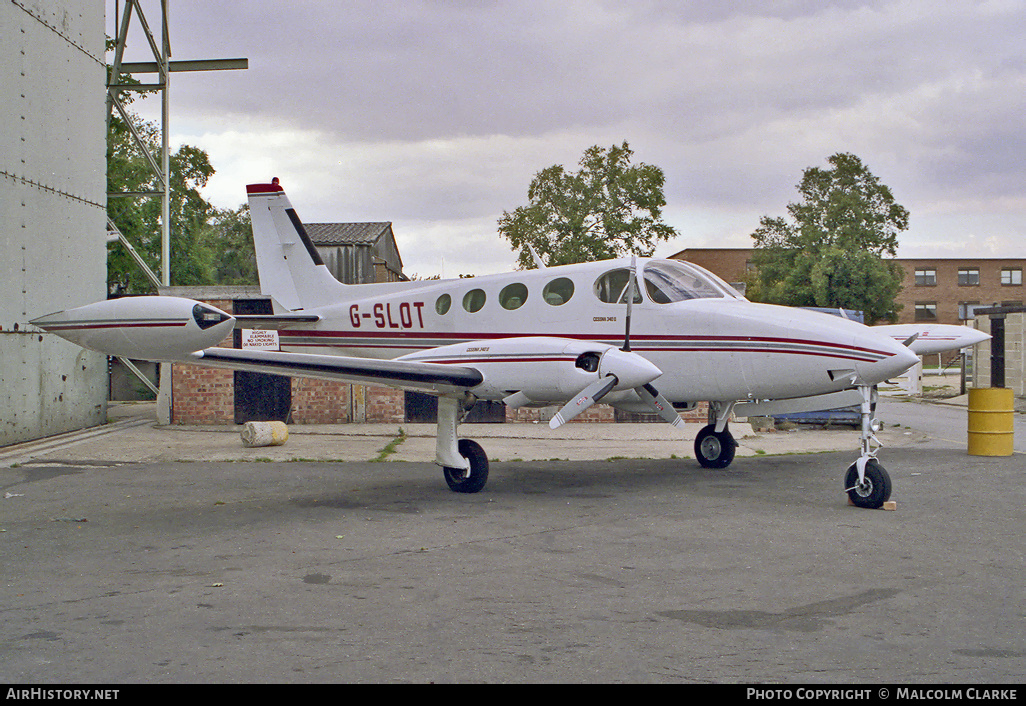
598 553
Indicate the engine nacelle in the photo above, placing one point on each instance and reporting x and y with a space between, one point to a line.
142 328
541 369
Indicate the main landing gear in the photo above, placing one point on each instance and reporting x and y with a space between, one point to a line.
473 478
714 449
464 463
715 445
867 483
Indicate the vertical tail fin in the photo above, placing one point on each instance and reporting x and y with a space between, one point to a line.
291 270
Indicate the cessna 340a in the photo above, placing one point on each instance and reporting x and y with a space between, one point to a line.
645 335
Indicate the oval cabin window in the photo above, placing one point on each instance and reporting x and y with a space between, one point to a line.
474 300
513 296
442 304
558 291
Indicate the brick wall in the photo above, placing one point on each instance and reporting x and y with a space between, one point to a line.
203 395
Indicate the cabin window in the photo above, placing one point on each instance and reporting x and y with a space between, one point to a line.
442 304
474 300
558 291
612 287
668 282
513 296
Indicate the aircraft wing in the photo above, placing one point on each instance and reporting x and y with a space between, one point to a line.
436 378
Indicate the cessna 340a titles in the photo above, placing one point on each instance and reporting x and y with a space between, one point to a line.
645 335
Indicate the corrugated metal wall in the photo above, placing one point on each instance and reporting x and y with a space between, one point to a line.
52 211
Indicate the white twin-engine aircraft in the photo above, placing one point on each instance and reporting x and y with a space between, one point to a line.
644 335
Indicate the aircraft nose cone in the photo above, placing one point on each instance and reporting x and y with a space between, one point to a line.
900 359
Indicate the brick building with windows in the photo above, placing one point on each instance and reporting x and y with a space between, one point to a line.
940 290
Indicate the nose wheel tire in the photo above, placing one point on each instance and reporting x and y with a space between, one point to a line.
873 491
714 449
474 479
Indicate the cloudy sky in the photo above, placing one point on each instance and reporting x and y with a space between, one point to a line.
436 115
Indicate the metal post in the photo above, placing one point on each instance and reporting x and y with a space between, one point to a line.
165 114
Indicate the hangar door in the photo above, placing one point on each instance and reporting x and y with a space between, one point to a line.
259 397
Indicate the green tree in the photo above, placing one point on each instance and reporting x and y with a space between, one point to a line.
230 237
138 217
837 248
609 208
208 245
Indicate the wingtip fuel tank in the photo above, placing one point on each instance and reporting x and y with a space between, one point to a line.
142 328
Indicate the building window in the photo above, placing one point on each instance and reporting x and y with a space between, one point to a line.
1011 276
968 276
926 278
965 310
926 311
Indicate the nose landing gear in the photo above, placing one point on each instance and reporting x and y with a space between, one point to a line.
867 483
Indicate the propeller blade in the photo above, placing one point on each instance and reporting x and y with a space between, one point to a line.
631 287
588 396
660 404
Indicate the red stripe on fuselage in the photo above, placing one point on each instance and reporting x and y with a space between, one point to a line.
764 344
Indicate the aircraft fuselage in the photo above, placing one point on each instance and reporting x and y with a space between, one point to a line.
713 348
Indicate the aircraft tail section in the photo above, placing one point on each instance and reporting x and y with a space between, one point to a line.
291 270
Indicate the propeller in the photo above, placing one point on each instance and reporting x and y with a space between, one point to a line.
660 404
631 287
624 369
588 396
617 368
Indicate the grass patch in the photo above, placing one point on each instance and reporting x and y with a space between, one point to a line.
391 447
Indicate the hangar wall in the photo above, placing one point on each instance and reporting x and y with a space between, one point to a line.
53 252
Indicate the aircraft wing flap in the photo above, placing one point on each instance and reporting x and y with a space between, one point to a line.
435 378
833 400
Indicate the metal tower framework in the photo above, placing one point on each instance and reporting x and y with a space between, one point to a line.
159 164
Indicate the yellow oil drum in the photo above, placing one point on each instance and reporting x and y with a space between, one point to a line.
991 421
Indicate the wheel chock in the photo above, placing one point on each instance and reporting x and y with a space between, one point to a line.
888 505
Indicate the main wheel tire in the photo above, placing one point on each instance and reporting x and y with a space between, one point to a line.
714 450
874 491
472 481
